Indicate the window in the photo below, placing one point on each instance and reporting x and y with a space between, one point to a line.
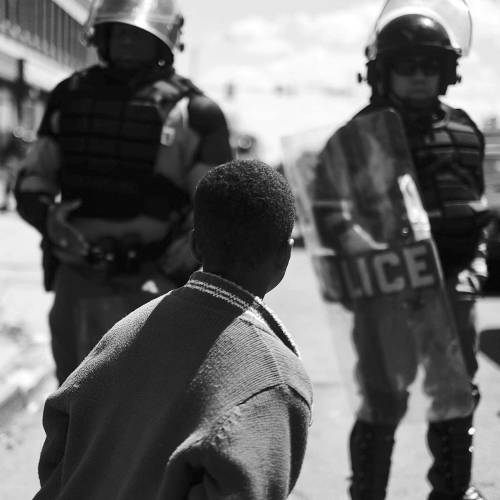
44 26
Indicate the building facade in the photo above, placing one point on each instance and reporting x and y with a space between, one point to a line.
40 44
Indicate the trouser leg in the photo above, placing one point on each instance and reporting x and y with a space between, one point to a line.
450 441
386 366
62 329
87 303
71 289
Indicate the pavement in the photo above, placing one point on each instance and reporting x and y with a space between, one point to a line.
322 334
25 360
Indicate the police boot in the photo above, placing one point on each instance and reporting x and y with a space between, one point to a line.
371 449
450 442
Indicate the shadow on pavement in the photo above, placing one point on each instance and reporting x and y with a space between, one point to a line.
489 344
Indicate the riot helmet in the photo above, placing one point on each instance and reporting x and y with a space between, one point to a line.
441 29
413 33
160 18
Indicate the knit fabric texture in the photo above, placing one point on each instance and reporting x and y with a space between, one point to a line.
199 392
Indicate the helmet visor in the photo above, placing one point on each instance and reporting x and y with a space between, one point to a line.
161 18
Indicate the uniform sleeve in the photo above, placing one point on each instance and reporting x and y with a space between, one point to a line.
462 116
255 451
206 117
38 181
47 125
478 269
43 159
208 121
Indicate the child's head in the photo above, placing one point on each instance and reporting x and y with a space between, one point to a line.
243 216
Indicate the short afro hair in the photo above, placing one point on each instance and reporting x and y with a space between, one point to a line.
244 211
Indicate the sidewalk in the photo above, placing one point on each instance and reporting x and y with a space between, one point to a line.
25 360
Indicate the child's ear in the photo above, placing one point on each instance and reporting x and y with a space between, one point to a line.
195 248
285 254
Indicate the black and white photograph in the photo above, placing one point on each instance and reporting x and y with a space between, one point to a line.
249 250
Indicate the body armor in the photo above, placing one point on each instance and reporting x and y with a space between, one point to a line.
109 135
448 160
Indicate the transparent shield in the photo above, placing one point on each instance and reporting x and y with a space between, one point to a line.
454 15
359 189
88 27
300 160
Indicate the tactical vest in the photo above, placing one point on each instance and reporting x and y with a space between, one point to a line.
109 135
448 161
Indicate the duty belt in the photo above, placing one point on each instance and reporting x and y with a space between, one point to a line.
123 255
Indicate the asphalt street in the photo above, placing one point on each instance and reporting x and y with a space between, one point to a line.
323 335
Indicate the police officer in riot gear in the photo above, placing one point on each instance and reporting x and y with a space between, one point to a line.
411 62
108 183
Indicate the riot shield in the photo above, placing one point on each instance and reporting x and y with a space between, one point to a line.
369 238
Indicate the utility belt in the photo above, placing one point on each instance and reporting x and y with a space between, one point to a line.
123 255
460 218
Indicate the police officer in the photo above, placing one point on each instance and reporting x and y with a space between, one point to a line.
411 62
108 183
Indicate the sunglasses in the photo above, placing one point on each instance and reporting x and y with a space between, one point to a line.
408 67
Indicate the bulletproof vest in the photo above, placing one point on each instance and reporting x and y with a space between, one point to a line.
109 133
448 160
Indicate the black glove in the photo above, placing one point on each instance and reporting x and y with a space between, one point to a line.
68 244
33 207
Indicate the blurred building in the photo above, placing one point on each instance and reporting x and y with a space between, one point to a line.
39 46
491 132
492 190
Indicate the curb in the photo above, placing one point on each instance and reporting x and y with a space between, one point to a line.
20 381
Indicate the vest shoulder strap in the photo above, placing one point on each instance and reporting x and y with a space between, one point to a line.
458 115
185 86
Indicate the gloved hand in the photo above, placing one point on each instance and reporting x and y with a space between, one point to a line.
356 240
469 282
68 244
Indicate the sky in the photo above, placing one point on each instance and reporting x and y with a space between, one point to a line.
314 48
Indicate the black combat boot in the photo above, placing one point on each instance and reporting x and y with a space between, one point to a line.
371 449
450 442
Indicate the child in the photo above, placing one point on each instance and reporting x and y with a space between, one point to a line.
199 393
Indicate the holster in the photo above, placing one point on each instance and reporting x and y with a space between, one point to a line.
50 263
